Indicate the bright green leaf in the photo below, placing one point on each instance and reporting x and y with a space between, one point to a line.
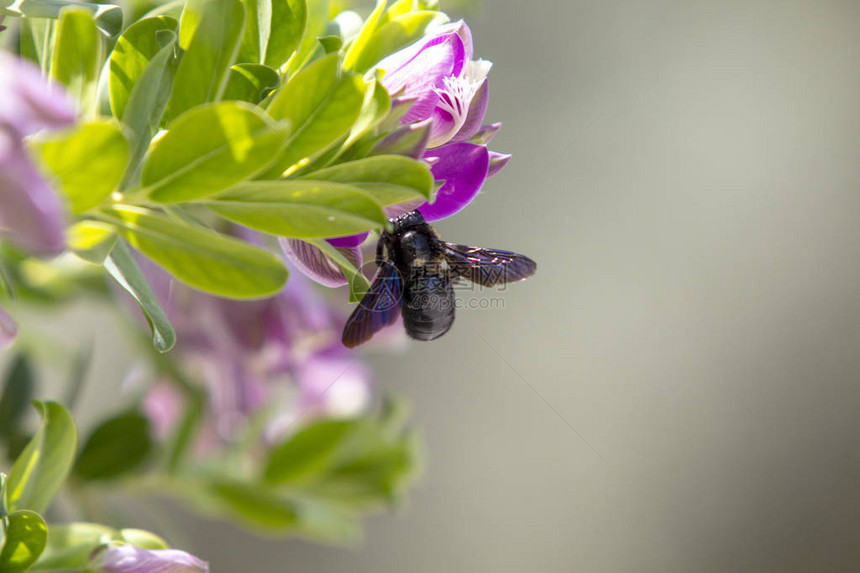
88 162
331 43
43 465
146 102
77 55
26 536
359 45
213 46
209 149
91 240
117 446
300 209
307 452
108 17
317 20
121 266
322 106
253 505
201 258
133 52
389 179
376 107
401 7
251 82
143 539
272 31
70 545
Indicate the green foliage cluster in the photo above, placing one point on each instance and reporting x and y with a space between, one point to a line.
317 481
210 113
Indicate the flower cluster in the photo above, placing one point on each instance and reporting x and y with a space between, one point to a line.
446 91
250 354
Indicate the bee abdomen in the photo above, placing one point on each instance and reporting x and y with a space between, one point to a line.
428 307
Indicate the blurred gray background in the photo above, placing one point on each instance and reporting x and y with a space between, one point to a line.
678 388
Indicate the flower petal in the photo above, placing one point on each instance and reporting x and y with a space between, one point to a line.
408 140
333 385
497 162
417 73
30 211
8 329
486 134
475 115
461 29
132 559
316 264
27 102
348 242
463 166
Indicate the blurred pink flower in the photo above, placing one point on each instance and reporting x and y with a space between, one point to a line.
249 354
31 213
132 559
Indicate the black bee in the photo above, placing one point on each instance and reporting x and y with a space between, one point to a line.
415 277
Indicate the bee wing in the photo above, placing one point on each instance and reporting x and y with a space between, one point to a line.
487 267
379 307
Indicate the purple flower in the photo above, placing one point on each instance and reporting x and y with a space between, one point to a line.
8 329
448 91
132 559
31 214
249 354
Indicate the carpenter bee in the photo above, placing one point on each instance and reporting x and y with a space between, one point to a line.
415 277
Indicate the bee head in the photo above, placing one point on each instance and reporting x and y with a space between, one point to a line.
407 221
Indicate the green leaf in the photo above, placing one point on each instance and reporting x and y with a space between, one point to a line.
322 106
121 266
78 55
70 545
91 240
143 539
17 392
253 505
354 53
273 30
43 465
251 82
213 46
401 7
326 522
108 17
288 21
358 283
317 20
389 179
117 446
395 35
376 107
203 259
89 162
26 536
209 149
331 43
300 209
306 453
146 102
133 52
